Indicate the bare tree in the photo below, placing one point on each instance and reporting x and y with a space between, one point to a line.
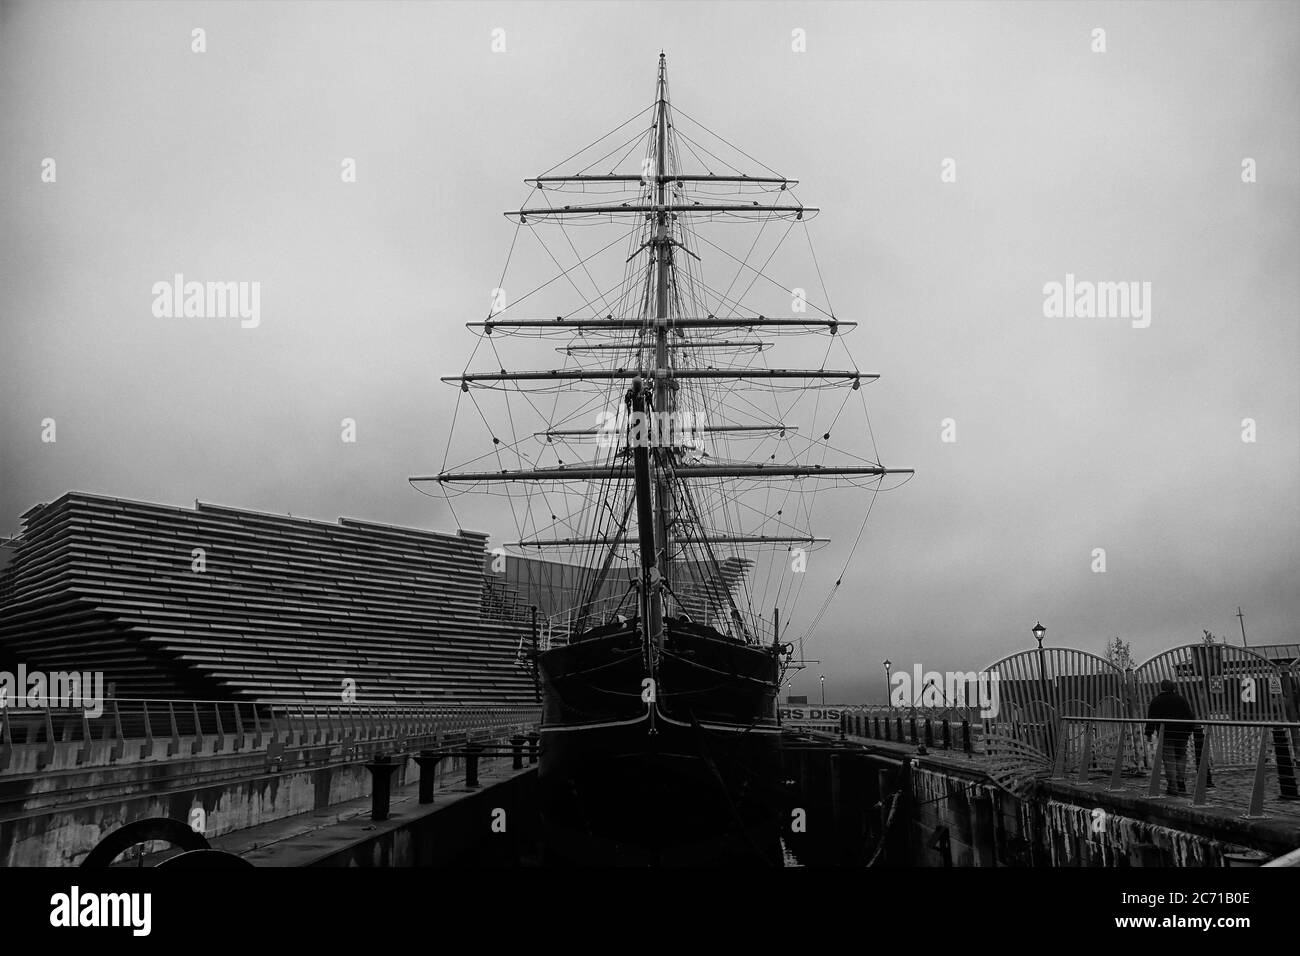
1119 652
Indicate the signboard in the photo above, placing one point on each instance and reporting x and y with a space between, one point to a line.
1274 685
1216 685
823 719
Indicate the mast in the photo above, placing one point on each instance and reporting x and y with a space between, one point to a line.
664 388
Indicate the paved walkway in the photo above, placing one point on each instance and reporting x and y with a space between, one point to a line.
1230 796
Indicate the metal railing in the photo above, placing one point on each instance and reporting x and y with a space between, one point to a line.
1088 743
135 730
943 728
704 606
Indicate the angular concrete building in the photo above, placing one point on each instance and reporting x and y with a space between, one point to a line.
215 603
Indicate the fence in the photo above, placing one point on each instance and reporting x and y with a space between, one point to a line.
1079 755
1235 686
139 730
1060 708
945 728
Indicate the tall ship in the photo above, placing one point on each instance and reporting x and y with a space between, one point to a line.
672 472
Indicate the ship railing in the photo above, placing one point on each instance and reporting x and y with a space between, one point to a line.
1091 749
565 623
135 730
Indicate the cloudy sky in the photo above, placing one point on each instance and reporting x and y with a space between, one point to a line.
1072 433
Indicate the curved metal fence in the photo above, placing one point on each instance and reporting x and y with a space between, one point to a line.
1221 682
1038 686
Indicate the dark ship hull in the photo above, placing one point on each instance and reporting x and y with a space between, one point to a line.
689 778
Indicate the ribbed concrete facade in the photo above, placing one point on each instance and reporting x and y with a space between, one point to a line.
283 608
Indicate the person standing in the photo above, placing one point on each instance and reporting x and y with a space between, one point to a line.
1170 705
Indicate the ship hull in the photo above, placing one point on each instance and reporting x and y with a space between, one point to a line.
685 774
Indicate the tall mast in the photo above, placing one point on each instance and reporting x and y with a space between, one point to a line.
664 386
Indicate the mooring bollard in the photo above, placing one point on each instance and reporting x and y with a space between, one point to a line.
381 773
533 740
428 763
471 763
517 752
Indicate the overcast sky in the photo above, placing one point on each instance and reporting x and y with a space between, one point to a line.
1072 433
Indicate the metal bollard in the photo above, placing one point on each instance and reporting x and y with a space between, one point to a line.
471 763
965 735
428 762
533 739
517 752
381 772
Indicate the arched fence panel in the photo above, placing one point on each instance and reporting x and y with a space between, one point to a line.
1036 686
1221 682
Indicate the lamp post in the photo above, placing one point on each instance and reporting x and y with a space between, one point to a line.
888 664
823 679
1038 632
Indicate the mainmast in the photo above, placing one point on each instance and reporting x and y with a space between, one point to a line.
664 386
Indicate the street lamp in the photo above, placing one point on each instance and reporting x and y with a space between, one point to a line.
888 664
823 690
1038 631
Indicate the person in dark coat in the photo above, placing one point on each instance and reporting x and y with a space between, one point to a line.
1171 705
